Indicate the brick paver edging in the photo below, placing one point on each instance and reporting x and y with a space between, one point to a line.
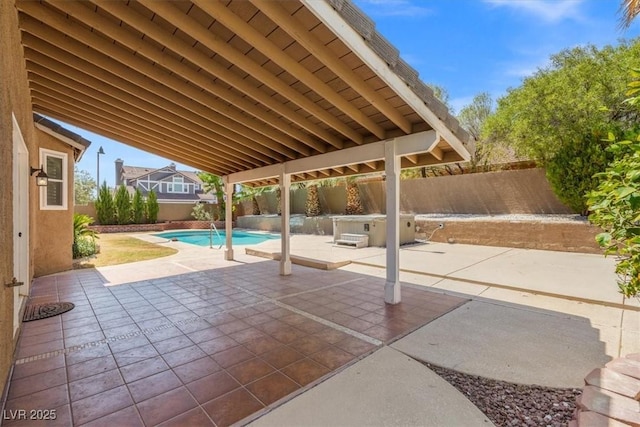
611 396
161 226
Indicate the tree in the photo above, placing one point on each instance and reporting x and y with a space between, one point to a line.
615 203
250 193
83 187
354 202
105 208
312 204
571 170
201 212
213 184
122 201
441 93
472 118
580 91
630 9
616 209
138 208
152 207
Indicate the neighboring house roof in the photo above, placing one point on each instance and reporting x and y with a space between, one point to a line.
178 197
78 143
136 172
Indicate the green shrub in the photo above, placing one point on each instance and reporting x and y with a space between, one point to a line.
123 205
201 212
105 207
571 170
138 208
152 208
84 239
84 247
615 206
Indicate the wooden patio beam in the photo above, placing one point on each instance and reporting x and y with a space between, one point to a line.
152 30
230 20
104 56
74 80
88 71
114 131
274 11
193 28
78 100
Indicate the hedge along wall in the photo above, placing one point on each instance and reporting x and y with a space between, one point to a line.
168 211
524 191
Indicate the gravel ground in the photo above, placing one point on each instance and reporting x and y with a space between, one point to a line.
508 404
503 217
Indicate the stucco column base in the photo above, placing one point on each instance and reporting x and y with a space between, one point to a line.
392 292
285 268
228 254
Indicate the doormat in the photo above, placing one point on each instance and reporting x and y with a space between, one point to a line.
42 311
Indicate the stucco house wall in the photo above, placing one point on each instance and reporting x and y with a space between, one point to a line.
14 99
53 252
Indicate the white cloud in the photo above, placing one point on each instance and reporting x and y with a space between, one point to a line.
404 8
549 11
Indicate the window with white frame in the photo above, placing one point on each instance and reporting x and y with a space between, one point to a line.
177 185
54 195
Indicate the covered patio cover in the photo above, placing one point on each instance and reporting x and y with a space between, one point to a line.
256 91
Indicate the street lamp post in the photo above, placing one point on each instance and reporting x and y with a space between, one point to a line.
100 151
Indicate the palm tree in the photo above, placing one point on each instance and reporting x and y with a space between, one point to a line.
354 202
312 205
629 9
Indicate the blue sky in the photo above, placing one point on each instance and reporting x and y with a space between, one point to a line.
464 46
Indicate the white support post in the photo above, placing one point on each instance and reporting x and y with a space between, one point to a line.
228 220
285 259
392 171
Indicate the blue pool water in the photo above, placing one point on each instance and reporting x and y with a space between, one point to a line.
201 237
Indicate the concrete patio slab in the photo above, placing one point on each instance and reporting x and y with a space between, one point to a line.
387 388
572 274
510 343
439 258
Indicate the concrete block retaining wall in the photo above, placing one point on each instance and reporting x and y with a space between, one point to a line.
577 236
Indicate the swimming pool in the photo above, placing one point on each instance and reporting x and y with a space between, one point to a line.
201 237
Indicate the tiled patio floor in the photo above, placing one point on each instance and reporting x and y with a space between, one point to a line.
205 348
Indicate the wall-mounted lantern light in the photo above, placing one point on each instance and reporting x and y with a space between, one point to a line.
41 179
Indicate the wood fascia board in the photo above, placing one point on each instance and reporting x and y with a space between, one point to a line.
281 17
211 41
420 142
108 57
243 30
325 13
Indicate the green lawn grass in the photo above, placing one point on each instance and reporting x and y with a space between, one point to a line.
122 249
